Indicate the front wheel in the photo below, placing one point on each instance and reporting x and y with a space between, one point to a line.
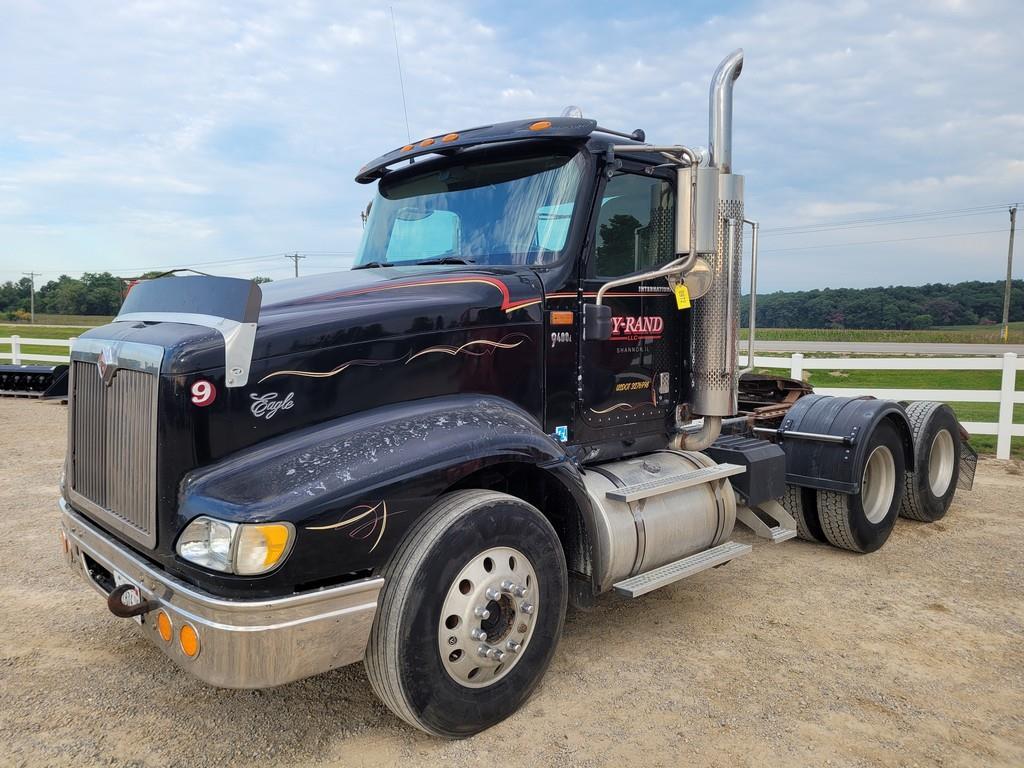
470 615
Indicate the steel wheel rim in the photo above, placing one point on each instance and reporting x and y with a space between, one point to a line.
940 462
488 617
878 484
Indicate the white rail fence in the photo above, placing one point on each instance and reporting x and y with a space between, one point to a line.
1006 396
17 355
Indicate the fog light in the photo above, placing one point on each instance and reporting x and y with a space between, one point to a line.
188 639
163 626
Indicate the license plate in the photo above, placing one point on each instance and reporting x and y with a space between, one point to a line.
130 597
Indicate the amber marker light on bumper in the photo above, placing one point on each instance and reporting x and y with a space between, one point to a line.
163 626
188 640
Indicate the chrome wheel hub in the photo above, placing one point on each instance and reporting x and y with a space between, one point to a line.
940 462
878 484
488 617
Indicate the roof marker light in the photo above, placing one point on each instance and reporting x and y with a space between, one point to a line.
449 137
407 147
540 125
426 142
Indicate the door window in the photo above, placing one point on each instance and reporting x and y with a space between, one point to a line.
635 226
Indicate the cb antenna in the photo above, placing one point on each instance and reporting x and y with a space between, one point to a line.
401 82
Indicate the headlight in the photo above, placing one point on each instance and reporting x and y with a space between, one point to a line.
242 548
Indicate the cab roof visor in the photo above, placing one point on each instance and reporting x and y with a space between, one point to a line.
566 128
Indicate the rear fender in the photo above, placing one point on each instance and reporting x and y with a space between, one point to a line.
835 466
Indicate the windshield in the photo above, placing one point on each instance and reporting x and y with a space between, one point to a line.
506 211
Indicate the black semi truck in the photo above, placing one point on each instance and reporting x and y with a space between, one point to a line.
524 394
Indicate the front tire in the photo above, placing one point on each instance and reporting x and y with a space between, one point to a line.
479 583
862 522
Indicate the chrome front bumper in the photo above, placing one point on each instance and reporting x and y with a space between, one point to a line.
242 643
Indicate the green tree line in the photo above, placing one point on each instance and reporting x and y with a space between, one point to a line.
894 307
94 293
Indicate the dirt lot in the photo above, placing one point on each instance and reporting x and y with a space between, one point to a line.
795 655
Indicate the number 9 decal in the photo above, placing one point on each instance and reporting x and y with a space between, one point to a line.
203 393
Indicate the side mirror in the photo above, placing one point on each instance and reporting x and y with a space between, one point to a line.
597 322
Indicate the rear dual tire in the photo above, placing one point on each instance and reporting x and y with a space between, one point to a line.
862 522
929 489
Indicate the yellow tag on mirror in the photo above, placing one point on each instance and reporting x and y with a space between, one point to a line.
682 296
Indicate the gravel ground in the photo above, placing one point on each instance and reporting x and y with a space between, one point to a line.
795 655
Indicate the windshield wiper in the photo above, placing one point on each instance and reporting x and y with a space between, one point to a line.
446 260
374 265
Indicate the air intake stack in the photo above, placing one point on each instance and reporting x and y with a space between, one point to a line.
716 315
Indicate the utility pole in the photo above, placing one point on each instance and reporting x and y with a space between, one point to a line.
295 257
32 294
1009 276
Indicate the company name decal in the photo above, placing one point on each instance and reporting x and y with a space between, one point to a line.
637 327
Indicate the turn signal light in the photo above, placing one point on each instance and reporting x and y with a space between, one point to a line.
561 318
188 639
540 125
163 626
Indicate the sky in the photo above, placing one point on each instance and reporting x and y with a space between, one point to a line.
882 142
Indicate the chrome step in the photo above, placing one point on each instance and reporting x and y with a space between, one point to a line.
643 583
780 534
784 528
674 482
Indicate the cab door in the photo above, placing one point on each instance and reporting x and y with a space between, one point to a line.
632 382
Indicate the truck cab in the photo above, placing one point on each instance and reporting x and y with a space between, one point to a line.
524 394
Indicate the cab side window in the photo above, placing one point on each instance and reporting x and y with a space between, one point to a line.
635 226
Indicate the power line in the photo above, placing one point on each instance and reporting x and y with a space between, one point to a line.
885 220
295 257
32 294
879 242
185 265
898 222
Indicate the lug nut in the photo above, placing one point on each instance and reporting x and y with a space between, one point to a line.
492 594
478 634
481 613
527 608
513 646
513 589
496 654
482 651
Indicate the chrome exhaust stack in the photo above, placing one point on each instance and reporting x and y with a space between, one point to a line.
716 315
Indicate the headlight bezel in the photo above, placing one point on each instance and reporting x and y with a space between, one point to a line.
195 545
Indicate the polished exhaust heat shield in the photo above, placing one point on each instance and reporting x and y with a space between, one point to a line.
719 235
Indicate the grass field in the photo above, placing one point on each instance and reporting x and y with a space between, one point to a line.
964 334
37 332
78 320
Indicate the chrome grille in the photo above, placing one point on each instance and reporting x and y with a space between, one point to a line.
113 441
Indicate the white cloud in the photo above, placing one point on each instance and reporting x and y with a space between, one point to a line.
113 123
